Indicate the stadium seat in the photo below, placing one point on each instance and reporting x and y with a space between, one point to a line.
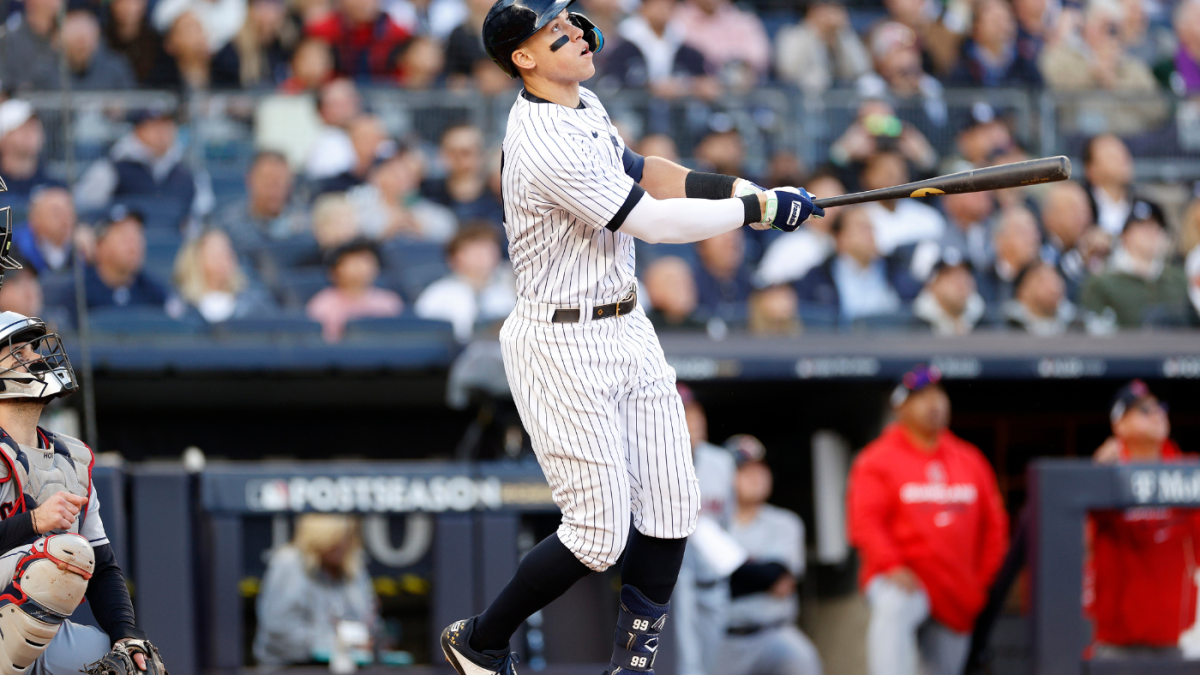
228 187
402 327
160 212
138 321
299 285
290 253
898 321
404 253
290 324
818 319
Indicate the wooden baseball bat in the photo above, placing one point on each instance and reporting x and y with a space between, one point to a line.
1030 172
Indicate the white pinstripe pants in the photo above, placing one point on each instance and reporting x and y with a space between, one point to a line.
600 405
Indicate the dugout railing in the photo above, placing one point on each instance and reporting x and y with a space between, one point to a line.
195 534
1061 493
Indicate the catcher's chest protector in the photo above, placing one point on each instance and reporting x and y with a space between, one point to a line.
64 467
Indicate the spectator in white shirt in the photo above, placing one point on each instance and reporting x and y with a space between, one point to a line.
1108 176
950 303
332 153
478 288
897 222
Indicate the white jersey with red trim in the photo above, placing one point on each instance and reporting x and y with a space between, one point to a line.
59 464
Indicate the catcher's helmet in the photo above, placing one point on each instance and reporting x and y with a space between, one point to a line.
6 261
511 22
32 361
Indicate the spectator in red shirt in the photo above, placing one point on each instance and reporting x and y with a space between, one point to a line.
365 40
931 530
1139 586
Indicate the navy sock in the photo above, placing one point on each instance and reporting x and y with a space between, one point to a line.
652 565
545 573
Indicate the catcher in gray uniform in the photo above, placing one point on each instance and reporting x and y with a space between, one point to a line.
55 550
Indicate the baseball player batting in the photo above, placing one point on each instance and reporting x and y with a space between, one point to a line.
585 368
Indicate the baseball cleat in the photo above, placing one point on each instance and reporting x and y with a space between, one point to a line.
457 648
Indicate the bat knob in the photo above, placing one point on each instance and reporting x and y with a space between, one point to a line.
1064 166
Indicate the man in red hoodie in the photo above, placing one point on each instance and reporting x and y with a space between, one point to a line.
1140 585
931 530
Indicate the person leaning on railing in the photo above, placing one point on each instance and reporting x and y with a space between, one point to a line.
1139 581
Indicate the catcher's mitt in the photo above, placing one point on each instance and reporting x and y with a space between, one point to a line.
120 660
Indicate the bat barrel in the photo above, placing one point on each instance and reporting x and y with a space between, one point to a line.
1017 174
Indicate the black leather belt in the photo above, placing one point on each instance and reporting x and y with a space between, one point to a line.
623 306
751 630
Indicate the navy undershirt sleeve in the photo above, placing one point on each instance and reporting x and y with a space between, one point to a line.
16 530
109 597
634 164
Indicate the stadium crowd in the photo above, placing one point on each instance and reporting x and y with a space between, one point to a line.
340 220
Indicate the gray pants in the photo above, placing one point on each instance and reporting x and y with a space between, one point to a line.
75 646
772 651
902 639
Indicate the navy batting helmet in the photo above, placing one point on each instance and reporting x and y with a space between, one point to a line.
511 22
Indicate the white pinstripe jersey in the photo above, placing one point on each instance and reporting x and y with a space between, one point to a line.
566 194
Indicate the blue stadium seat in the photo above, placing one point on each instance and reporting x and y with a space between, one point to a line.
898 321
299 285
402 327
818 319
227 187
411 280
138 321
294 325
400 250
160 212
290 253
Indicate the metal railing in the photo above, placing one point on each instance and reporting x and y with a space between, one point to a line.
1162 131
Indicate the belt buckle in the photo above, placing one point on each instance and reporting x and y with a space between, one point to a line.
629 295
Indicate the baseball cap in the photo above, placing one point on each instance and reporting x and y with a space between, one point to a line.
979 114
745 449
157 110
13 113
387 151
915 380
1127 397
950 257
1145 210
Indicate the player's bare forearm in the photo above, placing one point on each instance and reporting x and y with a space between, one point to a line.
664 179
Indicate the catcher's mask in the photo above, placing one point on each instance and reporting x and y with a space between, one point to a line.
33 364
6 261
